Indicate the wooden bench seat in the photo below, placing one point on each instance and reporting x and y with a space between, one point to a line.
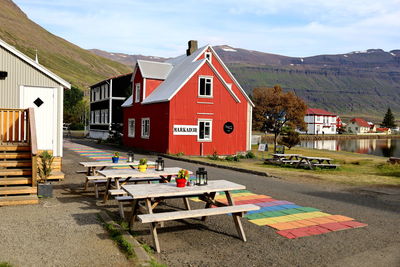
185 214
325 165
81 171
394 160
56 175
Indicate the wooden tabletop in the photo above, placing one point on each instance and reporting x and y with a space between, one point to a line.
316 158
142 191
88 164
286 155
125 173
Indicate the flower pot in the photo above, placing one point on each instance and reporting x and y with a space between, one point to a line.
142 168
45 190
180 182
115 160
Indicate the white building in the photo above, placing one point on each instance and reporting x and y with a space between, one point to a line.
359 126
320 121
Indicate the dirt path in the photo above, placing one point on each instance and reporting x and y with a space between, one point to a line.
62 231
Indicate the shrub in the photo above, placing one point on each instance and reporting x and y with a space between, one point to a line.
250 155
76 126
214 156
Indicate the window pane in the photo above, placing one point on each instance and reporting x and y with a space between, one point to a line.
208 89
201 132
202 86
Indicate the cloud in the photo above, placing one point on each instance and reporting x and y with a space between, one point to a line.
162 28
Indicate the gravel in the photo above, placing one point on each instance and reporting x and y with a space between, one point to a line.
64 231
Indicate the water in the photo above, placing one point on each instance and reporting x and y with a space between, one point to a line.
378 147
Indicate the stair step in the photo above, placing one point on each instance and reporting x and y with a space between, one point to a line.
18 200
15 172
15 163
18 155
15 181
15 190
15 148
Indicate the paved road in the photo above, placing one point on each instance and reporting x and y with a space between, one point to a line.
215 242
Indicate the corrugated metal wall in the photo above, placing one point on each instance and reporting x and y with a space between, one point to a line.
19 73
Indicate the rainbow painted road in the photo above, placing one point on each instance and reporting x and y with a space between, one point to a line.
290 220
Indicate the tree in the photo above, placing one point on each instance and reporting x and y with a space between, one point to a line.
290 139
388 120
75 106
275 109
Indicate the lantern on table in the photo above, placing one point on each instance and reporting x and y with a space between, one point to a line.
201 177
131 156
159 164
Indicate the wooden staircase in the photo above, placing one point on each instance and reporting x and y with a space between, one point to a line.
16 187
18 161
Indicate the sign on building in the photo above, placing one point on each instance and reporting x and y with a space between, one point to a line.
185 129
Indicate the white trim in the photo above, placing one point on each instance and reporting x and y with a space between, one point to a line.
205 113
231 75
144 89
210 103
137 95
110 105
211 128
131 134
34 64
208 79
219 76
142 133
209 54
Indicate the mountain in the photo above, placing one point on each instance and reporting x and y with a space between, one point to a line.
72 63
126 59
363 83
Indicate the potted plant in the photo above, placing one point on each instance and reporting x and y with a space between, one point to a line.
115 158
45 189
182 178
142 165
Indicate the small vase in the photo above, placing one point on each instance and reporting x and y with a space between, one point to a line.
180 182
115 160
142 168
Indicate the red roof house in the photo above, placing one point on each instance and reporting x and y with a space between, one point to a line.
191 104
320 121
358 126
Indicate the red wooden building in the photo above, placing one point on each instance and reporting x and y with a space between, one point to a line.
191 104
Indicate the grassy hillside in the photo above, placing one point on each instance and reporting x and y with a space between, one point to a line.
74 64
366 94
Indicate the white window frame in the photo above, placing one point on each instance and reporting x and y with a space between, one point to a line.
209 138
145 134
92 116
97 116
106 116
131 130
137 92
208 56
211 86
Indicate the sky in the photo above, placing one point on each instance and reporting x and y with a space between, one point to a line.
296 28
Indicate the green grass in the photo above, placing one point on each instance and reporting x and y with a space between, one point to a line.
5 264
154 263
355 169
117 236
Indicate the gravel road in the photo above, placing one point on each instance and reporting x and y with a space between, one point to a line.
64 231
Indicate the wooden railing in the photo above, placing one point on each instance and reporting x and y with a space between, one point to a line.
14 125
19 126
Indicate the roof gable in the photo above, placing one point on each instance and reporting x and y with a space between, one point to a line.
34 64
154 70
317 111
361 122
184 67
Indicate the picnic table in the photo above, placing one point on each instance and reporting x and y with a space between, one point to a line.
286 158
133 174
313 162
92 165
152 194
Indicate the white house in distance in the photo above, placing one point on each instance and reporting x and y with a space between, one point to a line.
320 121
358 126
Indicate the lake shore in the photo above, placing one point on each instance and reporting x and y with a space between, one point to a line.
270 138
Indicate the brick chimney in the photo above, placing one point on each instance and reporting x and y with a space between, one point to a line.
192 46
